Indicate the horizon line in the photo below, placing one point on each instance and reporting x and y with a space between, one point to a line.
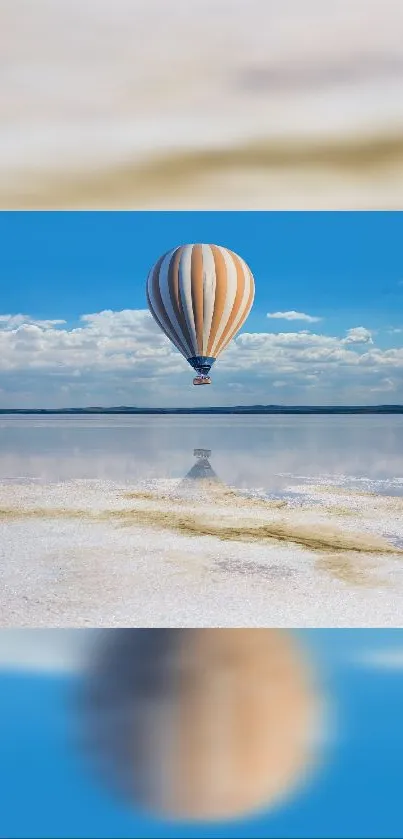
213 408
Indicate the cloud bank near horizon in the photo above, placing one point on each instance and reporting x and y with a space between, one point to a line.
121 357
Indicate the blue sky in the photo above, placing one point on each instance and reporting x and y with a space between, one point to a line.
47 790
343 269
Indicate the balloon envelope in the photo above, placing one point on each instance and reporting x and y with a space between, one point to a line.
200 296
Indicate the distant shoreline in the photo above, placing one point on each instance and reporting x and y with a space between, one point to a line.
237 409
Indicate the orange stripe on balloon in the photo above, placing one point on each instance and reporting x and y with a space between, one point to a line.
237 302
197 294
244 316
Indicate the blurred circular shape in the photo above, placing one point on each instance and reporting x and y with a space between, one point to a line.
200 724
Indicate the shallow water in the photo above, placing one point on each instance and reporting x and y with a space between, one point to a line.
267 453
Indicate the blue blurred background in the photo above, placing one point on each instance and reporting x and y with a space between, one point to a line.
47 789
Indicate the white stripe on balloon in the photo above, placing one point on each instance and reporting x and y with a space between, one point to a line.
160 319
166 299
185 288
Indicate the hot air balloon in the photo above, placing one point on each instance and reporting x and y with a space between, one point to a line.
200 296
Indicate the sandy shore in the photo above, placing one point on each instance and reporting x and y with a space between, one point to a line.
96 553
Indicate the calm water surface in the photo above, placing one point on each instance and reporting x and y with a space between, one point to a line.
266 452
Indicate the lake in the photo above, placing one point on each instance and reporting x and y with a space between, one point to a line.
257 451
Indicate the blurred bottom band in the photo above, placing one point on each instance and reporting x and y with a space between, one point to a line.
201 732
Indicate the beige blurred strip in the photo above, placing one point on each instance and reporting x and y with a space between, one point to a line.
136 104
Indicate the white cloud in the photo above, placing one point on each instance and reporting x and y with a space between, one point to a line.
116 358
358 335
44 650
382 659
105 340
293 316
385 384
8 322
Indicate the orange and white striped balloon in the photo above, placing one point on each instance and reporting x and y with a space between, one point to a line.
200 296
